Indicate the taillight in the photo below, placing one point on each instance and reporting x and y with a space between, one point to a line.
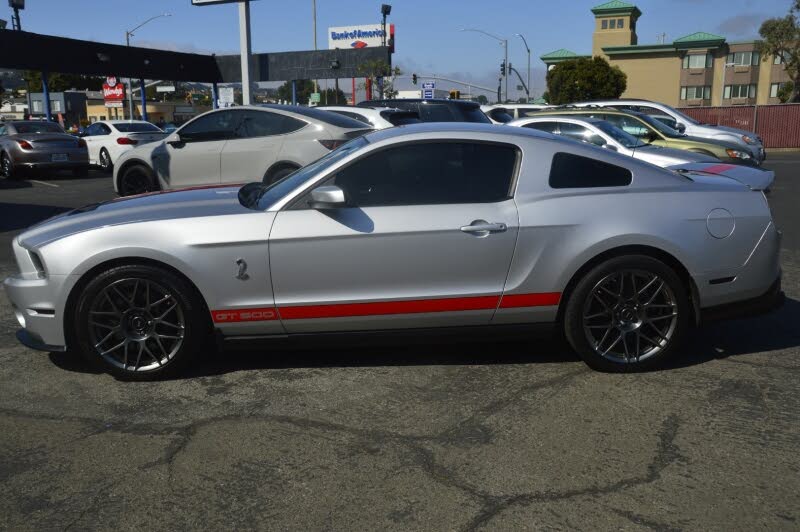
126 140
331 144
24 144
81 143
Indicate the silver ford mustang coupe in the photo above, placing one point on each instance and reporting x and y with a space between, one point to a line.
465 228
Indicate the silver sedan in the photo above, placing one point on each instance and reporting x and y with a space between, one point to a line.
433 227
27 145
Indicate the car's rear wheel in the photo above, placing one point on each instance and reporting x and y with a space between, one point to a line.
627 314
139 322
7 167
105 160
136 179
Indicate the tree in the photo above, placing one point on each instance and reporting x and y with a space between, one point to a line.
482 99
584 79
304 89
786 91
372 70
782 37
546 96
57 82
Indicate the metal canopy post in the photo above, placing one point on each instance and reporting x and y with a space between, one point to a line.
245 48
144 100
294 92
46 96
214 96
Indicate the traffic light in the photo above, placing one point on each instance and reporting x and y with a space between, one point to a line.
455 94
414 79
503 68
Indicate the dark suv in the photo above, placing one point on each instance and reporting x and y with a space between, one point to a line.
435 110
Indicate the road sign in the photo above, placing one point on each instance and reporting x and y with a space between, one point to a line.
429 85
165 88
315 97
427 94
225 96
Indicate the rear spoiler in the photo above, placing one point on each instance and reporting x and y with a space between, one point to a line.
755 178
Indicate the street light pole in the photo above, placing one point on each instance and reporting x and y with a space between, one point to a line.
528 88
128 35
502 41
314 15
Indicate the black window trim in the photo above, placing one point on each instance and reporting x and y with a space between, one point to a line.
615 187
271 111
298 202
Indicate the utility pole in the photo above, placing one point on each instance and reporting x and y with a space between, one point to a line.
314 16
245 48
504 42
128 35
528 86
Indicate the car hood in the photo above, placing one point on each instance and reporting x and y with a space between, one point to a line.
728 129
662 156
171 205
755 178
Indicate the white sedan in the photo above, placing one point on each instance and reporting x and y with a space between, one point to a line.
377 118
108 139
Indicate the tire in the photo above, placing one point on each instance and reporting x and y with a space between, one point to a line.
279 173
146 322
136 179
105 161
604 327
7 169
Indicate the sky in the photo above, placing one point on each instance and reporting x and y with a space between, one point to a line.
428 40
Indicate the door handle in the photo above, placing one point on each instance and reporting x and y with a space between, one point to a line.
483 228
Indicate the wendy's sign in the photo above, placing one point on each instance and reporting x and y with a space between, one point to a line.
113 92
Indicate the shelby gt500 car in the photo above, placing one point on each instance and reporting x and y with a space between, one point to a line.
433 226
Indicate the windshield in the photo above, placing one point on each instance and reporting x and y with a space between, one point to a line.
269 195
626 139
25 128
683 116
663 128
136 127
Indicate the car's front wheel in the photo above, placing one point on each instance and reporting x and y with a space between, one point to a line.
136 179
139 322
629 313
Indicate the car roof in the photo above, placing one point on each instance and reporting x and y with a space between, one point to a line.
124 121
455 128
382 103
587 119
582 110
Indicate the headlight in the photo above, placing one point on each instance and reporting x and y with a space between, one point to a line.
738 154
749 140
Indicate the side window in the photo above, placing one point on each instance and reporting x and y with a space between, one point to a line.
430 173
547 127
104 129
93 130
578 132
2 131
574 171
220 125
502 115
265 124
628 125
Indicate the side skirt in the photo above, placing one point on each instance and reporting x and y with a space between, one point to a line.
482 333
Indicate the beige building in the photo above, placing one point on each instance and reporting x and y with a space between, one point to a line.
695 70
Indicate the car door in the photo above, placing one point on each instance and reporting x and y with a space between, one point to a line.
95 134
256 146
425 241
195 159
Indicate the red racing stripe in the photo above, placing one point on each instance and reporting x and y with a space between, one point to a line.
381 308
530 300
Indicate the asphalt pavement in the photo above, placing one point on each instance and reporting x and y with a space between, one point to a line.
458 436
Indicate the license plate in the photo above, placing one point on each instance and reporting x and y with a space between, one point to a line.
59 158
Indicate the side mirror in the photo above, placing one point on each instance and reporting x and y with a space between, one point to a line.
327 197
174 138
680 128
650 136
610 147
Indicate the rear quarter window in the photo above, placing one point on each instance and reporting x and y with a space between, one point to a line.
575 171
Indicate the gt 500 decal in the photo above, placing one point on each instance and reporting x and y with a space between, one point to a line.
249 314
379 308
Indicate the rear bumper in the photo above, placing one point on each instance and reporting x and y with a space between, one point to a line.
771 300
50 165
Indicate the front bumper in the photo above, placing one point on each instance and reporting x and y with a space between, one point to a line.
37 311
